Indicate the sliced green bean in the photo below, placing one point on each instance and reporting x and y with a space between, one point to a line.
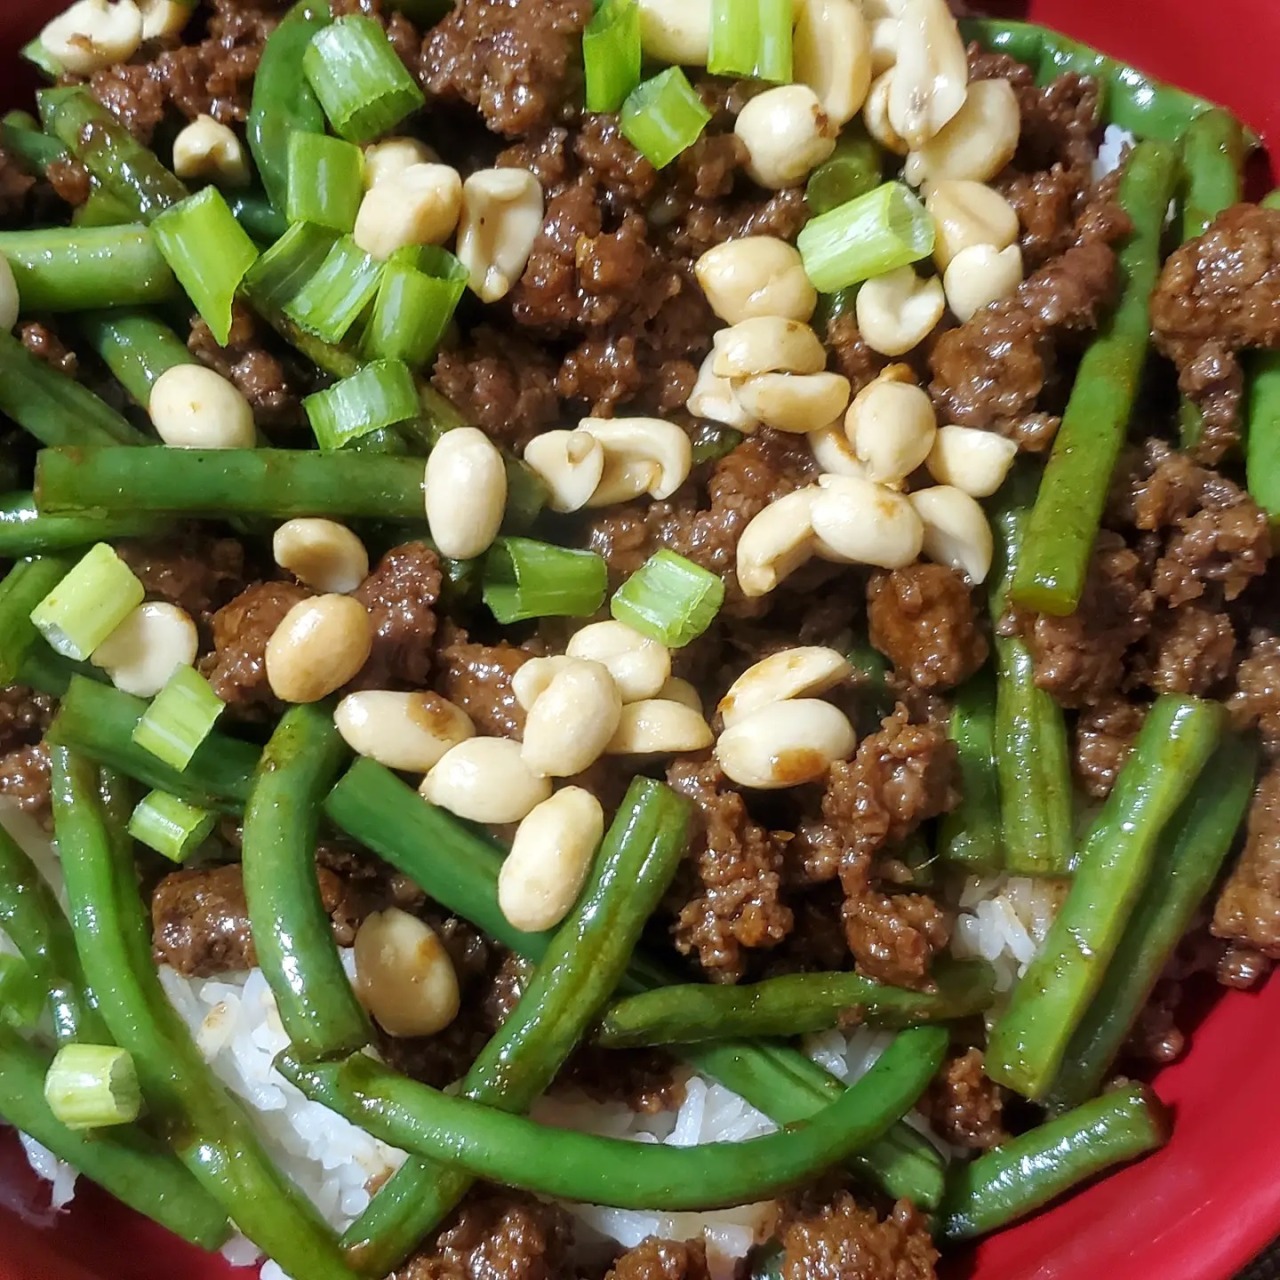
969 836
136 346
281 483
291 930
1262 420
21 136
793 1005
1064 522
23 587
133 1167
258 216
1187 863
611 1171
1028 1171
579 970
853 168
53 408
209 1132
1027 1043
25 532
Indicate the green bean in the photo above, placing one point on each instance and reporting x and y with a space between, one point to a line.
1262 420
136 346
969 836
116 160
852 169
1033 766
611 1171
25 532
98 721
258 216
262 482
712 441
283 101
1187 863
208 1131
579 970
374 807
24 586
793 1005
101 209
1027 1043
22 136
1064 522
78 268
35 923
126 1162
53 408
1028 1171
831 306
290 927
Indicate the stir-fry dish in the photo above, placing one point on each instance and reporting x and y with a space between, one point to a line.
637 638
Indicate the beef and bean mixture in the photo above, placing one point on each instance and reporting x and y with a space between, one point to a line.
645 341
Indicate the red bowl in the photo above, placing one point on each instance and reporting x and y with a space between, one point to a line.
1199 1209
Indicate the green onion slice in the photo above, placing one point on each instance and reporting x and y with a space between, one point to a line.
91 1086
280 273
88 604
170 826
420 290
380 395
611 54
210 253
179 718
751 38
885 229
663 117
669 599
527 579
22 998
326 181
337 295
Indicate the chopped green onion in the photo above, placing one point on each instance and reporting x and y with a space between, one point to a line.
669 599
337 295
380 395
853 169
751 38
91 1086
209 251
360 81
881 231
40 58
101 209
326 181
611 54
170 826
663 117
88 604
280 273
420 290
528 579
21 997
179 719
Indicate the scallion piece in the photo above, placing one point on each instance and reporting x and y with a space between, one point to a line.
669 599
170 826
88 604
751 38
361 83
881 231
337 295
380 395
528 579
91 1086
611 54
663 117
280 273
40 58
179 718
209 251
326 181
420 289
22 998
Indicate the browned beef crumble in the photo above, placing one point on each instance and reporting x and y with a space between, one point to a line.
400 595
1189 650
1248 907
842 1239
654 1259
1104 734
258 374
46 346
24 778
477 677
963 1106
196 572
1256 700
16 186
70 180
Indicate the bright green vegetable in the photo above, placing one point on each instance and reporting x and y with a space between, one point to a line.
669 599
326 181
380 395
172 827
333 299
420 289
86 606
179 718
611 54
136 346
25 532
21 591
969 835
853 169
528 579
1262 419
751 38
663 116
93 1086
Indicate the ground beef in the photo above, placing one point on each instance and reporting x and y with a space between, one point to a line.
643 1080
196 572
259 375
24 716
16 185
237 667
46 346
736 864
1080 657
501 384
401 595
923 619
515 61
655 1259
70 180
1189 650
844 1240
963 1106
1211 533
1104 734
849 354
477 677
24 778
1248 908
1256 700
134 93
496 1234
1218 294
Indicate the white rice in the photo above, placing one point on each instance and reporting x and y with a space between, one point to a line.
1115 142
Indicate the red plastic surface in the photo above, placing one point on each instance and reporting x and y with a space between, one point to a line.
1196 1211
